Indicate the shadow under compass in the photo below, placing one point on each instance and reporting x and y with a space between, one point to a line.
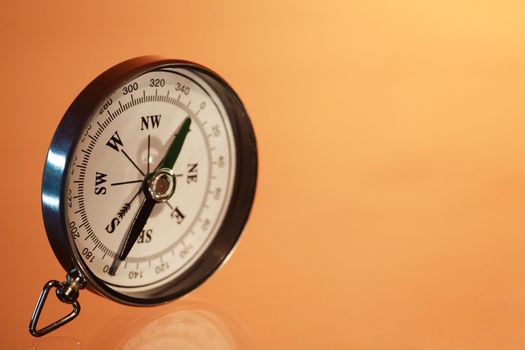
186 324
182 325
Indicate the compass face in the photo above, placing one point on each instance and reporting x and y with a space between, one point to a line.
157 156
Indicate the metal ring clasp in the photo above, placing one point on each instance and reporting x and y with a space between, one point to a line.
67 292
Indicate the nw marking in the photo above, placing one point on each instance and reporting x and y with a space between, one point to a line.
154 119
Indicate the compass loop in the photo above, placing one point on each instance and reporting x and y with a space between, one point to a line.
67 292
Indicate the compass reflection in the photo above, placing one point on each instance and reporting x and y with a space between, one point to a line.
191 326
56 343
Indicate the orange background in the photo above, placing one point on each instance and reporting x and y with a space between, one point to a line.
391 196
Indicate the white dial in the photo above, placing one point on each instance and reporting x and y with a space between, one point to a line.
148 182
116 161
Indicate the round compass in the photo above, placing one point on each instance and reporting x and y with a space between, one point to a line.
148 183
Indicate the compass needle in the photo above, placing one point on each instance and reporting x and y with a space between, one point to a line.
152 193
159 178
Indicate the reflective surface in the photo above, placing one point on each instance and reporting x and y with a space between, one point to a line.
190 324
391 198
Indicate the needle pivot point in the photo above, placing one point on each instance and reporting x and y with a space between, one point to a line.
161 185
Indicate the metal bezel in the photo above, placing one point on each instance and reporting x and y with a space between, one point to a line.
58 161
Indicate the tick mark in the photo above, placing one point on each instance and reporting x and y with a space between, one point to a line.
126 182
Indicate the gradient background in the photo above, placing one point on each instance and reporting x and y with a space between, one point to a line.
391 195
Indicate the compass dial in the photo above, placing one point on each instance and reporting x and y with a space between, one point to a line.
115 169
148 183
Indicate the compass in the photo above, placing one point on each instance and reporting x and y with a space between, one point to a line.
147 185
